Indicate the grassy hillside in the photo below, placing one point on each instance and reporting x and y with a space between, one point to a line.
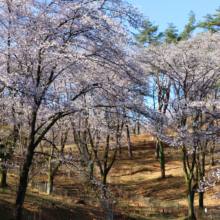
136 182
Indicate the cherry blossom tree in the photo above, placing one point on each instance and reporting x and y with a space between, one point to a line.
193 67
81 42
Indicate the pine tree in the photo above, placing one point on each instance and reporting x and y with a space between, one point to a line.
148 35
189 28
212 22
171 33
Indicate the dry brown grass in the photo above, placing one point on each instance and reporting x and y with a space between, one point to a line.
140 175
42 206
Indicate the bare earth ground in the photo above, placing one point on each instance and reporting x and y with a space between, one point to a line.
140 175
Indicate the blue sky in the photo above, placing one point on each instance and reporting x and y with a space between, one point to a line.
162 12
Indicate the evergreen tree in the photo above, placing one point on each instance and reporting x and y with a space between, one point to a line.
148 35
171 33
212 22
189 28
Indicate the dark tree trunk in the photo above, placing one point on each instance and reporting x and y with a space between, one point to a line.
3 175
156 153
129 142
23 182
26 167
118 141
134 128
201 195
189 178
202 174
104 178
212 160
191 209
138 124
119 148
161 158
90 169
191 203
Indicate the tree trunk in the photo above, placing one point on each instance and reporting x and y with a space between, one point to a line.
191 203
138 124
189 179
50 183
191 207
162 159
134 128
119 148
27 163
90 169
118 141
104 177
156 153
23 182
202 174
129 142
201 195
3 175
212 160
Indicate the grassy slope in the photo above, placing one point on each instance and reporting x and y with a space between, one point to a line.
44 207
140 175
